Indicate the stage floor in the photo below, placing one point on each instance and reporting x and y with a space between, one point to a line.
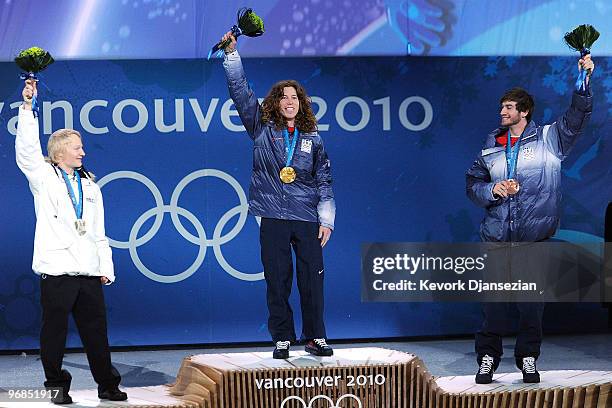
442 358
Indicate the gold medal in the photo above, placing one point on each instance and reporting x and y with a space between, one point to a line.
287 174
513 187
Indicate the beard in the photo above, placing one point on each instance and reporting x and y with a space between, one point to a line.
511 121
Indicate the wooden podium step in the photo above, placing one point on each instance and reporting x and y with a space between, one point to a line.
352 378
365 377
373 378
557 389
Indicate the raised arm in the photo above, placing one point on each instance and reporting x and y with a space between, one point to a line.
241 93
561 136
28 152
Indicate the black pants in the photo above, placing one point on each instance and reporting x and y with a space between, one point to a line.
83 297
277 237
528 339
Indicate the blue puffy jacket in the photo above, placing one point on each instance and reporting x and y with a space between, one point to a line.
533 213
310 196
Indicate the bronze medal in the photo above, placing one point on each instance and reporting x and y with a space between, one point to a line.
287 174
80 226
514 186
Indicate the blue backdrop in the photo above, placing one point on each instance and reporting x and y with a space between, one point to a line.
131 29
162 136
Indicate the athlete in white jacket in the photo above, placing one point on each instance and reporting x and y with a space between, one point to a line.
71 252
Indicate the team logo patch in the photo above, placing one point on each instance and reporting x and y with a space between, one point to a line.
528 153
306 145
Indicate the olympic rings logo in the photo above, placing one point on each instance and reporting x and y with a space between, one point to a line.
323 397
134 241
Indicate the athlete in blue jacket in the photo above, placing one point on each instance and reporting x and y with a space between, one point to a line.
291 191
520 192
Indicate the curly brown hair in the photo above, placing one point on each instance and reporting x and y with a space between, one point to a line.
305 119
524 101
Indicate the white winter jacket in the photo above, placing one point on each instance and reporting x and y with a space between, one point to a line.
58 248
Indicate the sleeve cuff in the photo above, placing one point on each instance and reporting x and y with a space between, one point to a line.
492 196
110 277
584 93
232 56
25 112
327 213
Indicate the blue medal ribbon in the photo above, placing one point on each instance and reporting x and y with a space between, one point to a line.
236 32
512 155
582 73
35 107
581 81
76 204
290 147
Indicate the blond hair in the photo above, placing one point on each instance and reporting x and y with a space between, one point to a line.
57 143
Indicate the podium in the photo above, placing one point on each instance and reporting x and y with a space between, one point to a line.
363 377
372 378
352 378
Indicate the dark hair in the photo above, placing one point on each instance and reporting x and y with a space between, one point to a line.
305 120
524 101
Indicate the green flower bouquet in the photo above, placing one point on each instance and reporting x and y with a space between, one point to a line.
249 24
581 39
32 61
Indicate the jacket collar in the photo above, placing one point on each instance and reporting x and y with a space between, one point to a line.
530 131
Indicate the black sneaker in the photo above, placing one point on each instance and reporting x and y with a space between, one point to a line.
112 394
486 370
63 398
281 351
530 374
319 347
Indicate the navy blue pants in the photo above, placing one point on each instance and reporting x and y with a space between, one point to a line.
277 238
81 296
528 338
